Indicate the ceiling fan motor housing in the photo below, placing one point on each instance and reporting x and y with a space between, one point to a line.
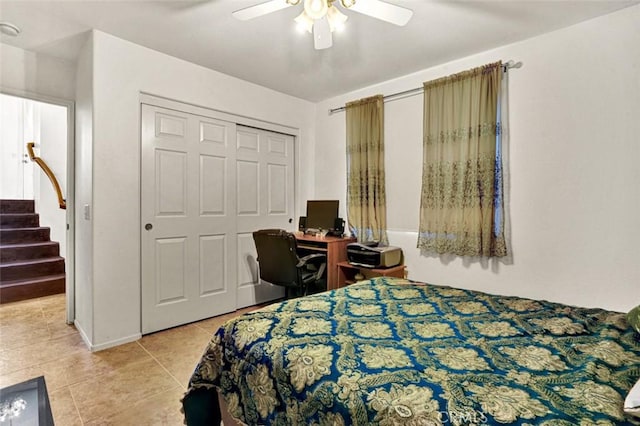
315 9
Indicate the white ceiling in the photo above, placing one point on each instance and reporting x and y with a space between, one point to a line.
269 51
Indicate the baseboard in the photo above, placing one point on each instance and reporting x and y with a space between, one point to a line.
106 345
118 342
83 335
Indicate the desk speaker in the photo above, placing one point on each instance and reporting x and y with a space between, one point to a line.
338 227
302 223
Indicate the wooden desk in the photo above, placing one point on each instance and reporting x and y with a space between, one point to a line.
334 247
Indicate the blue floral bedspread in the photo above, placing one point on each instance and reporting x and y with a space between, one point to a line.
396 352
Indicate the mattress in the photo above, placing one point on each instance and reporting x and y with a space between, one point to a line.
389 351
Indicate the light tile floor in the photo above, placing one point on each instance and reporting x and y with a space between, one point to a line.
139 383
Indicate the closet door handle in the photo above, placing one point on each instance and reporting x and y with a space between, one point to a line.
148 227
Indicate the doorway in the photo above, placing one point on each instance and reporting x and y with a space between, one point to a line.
48 123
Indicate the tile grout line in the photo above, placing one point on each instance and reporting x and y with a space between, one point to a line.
75 405
39 363
43 311
92 420
183 388
39 306
160 364
38 303
45 319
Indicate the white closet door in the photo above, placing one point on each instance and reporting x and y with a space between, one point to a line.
265 189
188 212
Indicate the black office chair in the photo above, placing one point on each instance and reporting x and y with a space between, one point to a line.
279 263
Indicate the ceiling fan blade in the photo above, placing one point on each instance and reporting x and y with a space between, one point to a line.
384 11
322 38
260 9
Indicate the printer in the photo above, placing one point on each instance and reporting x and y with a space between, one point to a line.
370 256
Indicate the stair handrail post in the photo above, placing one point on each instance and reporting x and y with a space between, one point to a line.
45 168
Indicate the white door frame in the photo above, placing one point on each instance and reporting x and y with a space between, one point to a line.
70 284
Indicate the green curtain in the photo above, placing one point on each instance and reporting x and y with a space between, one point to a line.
461 200
366 196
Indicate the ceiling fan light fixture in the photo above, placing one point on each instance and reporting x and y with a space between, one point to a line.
315 9
322 17
336 19
304 22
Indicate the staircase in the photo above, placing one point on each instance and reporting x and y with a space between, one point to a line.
30 263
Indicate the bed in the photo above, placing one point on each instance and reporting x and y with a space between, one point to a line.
395 352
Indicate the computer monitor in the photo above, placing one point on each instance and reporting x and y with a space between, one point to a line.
322 214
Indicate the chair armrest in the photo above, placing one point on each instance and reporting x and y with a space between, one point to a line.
304 260
321 269
317 258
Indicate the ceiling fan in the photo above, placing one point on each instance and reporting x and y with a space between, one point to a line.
322 17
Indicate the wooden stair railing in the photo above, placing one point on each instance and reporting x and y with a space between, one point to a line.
56 186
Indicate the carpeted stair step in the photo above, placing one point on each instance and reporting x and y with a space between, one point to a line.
30 263
19 220
26 251
16 290
23 235
17 206
27 269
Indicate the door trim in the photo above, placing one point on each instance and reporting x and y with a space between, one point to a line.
159 101
70 283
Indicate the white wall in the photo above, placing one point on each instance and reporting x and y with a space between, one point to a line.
573 163
51 146
25 71
11 148
121 71
84 193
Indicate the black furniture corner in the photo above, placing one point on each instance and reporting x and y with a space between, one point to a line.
279 263
26 403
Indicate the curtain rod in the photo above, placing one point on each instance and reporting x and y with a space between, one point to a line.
506 66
